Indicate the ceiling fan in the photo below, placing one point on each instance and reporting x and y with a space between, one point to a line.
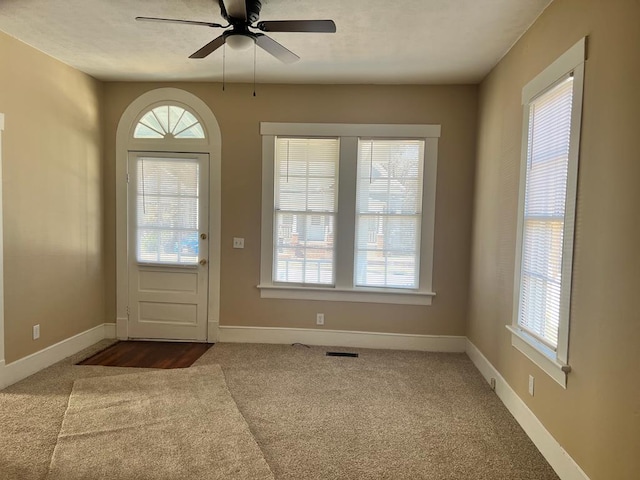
242 16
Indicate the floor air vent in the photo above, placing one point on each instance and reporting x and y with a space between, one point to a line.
342 354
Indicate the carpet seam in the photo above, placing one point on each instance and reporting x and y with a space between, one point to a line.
64 417
253 435
205 367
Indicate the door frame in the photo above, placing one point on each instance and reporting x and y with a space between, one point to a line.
153 328
211 145
2 361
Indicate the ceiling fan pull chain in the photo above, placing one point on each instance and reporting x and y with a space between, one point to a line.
254 68
224 57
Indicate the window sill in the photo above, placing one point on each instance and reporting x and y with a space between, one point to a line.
539 354
366 295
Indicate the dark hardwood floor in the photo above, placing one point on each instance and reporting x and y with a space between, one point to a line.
148 354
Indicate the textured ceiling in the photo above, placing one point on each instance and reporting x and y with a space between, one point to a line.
378 41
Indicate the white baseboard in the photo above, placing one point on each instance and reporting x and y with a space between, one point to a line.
109 330
15 371
558 458
213 332
342 338
122 328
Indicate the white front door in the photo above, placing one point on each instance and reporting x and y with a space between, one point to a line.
168 242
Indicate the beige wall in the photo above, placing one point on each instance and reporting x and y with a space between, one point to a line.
597 419
55 230
239 114
52 194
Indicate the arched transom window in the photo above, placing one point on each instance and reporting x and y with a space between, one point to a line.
167 122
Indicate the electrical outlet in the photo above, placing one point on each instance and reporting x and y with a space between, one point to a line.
319 318
531 384
238 242
492 382
36 332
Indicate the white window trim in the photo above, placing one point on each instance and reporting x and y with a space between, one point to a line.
344 289
554 363
211 145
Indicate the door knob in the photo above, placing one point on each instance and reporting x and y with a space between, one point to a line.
203 261
203 236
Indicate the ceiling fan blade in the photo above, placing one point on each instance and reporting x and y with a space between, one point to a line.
316 26
235 8
274 48
173 20
209 47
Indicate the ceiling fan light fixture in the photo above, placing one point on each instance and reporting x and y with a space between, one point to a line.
242 16
240 42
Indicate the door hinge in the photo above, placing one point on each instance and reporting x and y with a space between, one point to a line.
127 178
128 311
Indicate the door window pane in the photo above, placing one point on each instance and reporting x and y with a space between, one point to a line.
167 211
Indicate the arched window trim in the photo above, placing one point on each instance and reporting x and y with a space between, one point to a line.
210 145
172 138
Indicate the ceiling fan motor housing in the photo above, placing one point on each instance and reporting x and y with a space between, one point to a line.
253 8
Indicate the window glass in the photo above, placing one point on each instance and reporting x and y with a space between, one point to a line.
388 213
168 121
544 212
167 211
305 207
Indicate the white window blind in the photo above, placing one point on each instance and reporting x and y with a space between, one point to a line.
167 211
541 284
305 196
388 213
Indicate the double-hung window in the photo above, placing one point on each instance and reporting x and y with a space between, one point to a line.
388 213
552 110
348 212
306 188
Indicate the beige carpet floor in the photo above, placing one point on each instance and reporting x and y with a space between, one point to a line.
384 415
181 424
